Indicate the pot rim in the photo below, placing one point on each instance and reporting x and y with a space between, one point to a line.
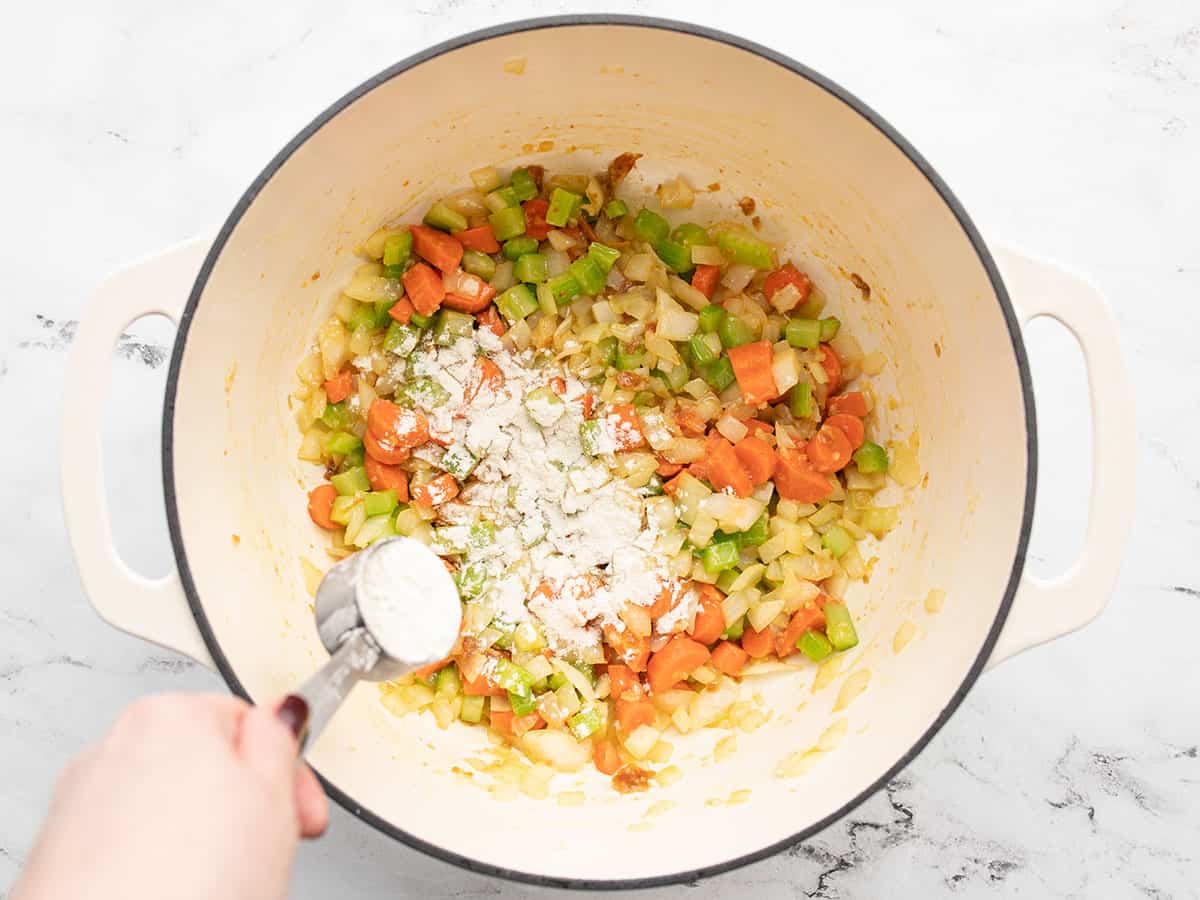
692 30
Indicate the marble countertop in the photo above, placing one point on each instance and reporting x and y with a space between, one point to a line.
1071 129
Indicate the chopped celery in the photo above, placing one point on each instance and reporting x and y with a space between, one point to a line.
629 359
756 534
801 400
511 677
650 227
401 339
336 415
711 318
734 331
726 579
394 272
383 317
746 249
556 680
508 223
689 234
563 205
443 217
564 288
589 437
674 378
544 406
677 256
365 314
459 462
502 198
878 520
719 556
352 481
515 248
530 268
604 255
424 392
522 702
354 458
615 209
607 348
527 638
645 398
829 328
397 248
814 645
719 374
517 302
837 541
702 353
374 529
471 580
586 722
589 275
482 533
472 709
447 681
449 325
479 263
839 627
870 457
735 631
803 333
342 507
523 185
421 320
342 442
380 503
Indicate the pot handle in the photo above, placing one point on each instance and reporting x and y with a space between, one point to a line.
1048 608
153 609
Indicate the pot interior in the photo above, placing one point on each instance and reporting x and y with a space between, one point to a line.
845 198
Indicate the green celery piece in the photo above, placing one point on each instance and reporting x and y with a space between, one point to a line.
589 275
515 248
837 541
719 374
343 505
504 642
449 325
756 534
544 406
471 580
726 579
523 185
342 442
482 533
677 256
604 255
870 457
395 273
563 205
829 328
364 314
702 353
479 263
650 227
711 318
839 627
522 703
607 350
530 268
803 333
628 360
814 645
352 481
718 557
382 317
734 331
517 302
472 709
354 458
616 208
401 339
645 398
374 529
689 234
564 287
421 320
447 681
735 631
511 677
397 248
336 415
459 462
677 376
508 223
380 503
586 722
502 198
801 400
746 249
527 638
589 437
424 392
442 217
556 680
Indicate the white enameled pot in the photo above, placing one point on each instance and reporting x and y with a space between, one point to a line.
832 180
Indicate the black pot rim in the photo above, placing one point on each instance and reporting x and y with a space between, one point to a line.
972 234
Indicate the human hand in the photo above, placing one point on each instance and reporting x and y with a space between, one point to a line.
188 797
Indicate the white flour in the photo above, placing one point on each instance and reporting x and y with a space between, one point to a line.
408 601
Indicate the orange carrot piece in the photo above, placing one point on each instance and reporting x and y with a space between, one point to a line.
490 319
481 687
668 597
667 469
725 470
786 275
690 423
402 311
473 294
810 615
623 424
795 479
704 279
558 384
729 658
400 426
710 616
436 492
631 649
535 218
674 662
385 451
670 487
605 756
852 403
829 450
758 644
426 671
632 714
338 387
756 426
752 368
481 238
436 247
425 288
484 374
832 363
851 426
386 478
757 458
320 505
589 405
622 680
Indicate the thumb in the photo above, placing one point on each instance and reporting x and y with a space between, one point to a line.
266 745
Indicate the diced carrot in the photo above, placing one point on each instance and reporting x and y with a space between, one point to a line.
436 247
632 714
810 615
622 680
795 478
667 469
535 218
400 426
710 616
752 368
338 387
668 597
699 469
623 424
832 363
484 374
758 644
757 458
851 426
756 426
480 238
589 405
631 649
436 492
852 403
829 450
725 470
320 505
501 721
630 379
670 487
605 756
425 288
528 722
426 671
704 279
384 450
481 687
490 319
729 658
786 275
402 311
690 422
558 384
386 478
473 294
674 662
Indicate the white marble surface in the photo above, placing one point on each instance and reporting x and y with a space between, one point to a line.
1072 129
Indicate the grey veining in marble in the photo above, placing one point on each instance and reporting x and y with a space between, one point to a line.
1071 129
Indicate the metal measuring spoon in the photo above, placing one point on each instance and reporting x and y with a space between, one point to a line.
362 643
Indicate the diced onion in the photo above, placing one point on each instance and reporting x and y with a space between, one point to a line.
558 749
705 255
764 613
785 367
733 513
731 428
578 679
675 194
641 741
786 298
638 267
561 241
686 293
737 276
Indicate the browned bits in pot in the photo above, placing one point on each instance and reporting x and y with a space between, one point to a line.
746 205
756 222
588 231
631 779
715 186
622 166
861 285
937 349
630 379
315 275
537 173
236 538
